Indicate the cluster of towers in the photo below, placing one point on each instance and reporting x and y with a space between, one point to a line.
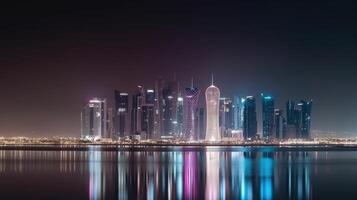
167 112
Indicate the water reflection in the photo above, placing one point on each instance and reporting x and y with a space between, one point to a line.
176 174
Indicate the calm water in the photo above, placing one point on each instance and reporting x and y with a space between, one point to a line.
179 173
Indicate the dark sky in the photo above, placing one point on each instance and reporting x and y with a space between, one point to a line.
53 57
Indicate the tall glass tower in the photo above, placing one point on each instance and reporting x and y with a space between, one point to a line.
170 94
268 115
94 119
305 118
212 109
122 113
190 112
250 118
238 105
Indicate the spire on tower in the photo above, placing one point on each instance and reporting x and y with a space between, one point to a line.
192 82
212 79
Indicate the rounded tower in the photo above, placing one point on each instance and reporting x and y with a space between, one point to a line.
212 109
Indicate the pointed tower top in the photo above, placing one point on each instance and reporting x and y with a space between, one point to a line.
191 82
212 79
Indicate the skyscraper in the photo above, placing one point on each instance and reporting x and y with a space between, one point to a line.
298 119
190 112
226 116
212 110
147 121
179 117
137 101
122 113
170 92
279 124
147 115
290 109
201 124
291 120
250 118
238 111
305 119
94 119
150 96
110 123
268 115
158 109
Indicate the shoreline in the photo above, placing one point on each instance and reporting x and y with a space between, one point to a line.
181 147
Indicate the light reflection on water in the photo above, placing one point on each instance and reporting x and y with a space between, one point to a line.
179 173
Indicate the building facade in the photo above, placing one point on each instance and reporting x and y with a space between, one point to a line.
212 117
122 113
267 115
94 119
250 118
190 113
170 94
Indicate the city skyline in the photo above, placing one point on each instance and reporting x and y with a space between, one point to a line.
164 113
55 59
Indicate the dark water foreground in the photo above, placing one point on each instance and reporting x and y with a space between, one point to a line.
179 173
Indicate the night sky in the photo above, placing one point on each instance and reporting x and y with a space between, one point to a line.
54 57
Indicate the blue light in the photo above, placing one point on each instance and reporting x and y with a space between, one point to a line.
267 97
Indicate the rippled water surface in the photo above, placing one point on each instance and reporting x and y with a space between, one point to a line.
179 173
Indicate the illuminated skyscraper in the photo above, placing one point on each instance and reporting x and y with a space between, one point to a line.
268 115
94 119
250 118
147 115
137 101
147 121
179 117
226 116
279 124
122 113
170 92
212 110
190 112
238 105
298 119
110 123
305 124
158 109
150 96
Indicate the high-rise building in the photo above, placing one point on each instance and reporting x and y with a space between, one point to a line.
170 92
291 120
122 113
298 119
238 111
179 117
279 124
150 96
147 121
250 118
201 124
138 99
94 119
268 115
110 123
305 119
226 117
158 109
190 113
290 112
212 116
